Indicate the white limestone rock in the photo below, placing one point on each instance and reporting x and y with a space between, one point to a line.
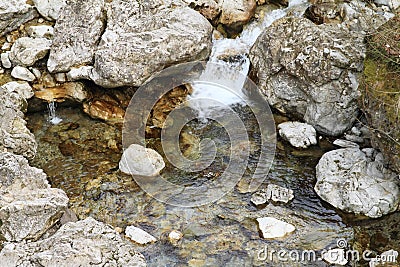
49 9
274 193
300 135
138 160
14 13
273 228
22 73
5 60
26 50
40 31
22 88
139 236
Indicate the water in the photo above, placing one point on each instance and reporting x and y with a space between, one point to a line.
52 114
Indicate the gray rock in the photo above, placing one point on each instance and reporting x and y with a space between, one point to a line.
22 73
76 34
345 143
138 160
28 206
40 31
5 60
311 71
273 192
300 135
83 72
14 13
136 44
352 182
28 214
354 138
21 88
49 9
26 50
84 243
14 135
392 4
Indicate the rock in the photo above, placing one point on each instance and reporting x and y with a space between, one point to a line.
345 143
310 71
14 13
352 182
73 91
335 256
84 243
60 77
139 236
36 72
210 9
354 138
237 12
392 4
29 214
26 50
14 136
22 73
300 135
273 228
21 88
274 192
104 110
138 160
5 60
76 34
40 31
385 259
80 73
28 206
49 9
153 39
174 237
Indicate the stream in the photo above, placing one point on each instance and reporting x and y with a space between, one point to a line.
80 155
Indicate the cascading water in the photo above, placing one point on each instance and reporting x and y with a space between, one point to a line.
228 54
53 119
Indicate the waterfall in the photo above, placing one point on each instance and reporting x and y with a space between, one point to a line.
232 73
53 119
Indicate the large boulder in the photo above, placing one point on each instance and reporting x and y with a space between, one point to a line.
14 13
351 181
142 39
76 34
84 243
310 71
15 137
28 206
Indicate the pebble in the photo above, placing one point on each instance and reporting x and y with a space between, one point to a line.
139 236
273 228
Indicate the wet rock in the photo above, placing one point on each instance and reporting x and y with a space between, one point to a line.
104 110
40 31
83 243
14 13
335 256
73 91
28 214
273 228
311 71
237 12
14 136
22 73
274 193
300 135
138 160
174 237
49 9
5 60
322 11
352 182
345 143
26 50
153 38
76 34
139 236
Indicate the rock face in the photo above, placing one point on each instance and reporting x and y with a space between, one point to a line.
138 160
76 34
138 43
14 136
310 71
13 13
49 9
84 243
26 51
300 135
28 206
274 228
353 182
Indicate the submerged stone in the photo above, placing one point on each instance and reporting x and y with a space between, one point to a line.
138 160
273 228
139 236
